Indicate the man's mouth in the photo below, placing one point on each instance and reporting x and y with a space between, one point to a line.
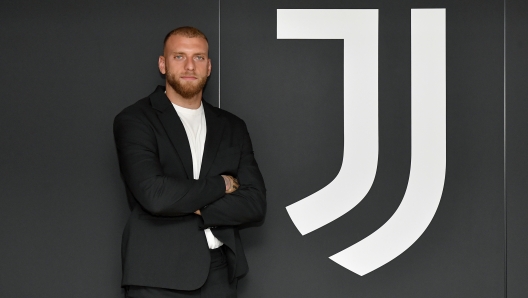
188 78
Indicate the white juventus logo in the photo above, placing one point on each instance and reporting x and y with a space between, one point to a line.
359 30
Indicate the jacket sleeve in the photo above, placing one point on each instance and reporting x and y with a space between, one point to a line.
245 205
158 194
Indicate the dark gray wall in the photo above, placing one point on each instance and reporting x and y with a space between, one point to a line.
68 67
517 145
293 103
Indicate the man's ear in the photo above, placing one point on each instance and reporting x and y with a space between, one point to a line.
161 64
208 67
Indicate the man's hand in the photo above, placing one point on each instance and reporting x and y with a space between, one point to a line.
231 183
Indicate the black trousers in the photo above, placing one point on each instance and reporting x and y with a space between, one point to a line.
217 284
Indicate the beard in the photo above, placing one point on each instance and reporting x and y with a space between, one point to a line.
186 89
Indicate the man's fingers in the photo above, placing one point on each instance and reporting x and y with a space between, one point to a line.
235 183
228 183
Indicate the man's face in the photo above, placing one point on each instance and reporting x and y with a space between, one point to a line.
185 64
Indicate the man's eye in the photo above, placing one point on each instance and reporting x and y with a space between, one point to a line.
178 57
199 58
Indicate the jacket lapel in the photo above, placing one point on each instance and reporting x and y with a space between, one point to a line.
173 127
215 128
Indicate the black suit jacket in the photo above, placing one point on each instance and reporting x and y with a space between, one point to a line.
164 244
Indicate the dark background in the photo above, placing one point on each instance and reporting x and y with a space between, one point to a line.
68 67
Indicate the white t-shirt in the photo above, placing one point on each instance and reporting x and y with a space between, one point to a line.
196 129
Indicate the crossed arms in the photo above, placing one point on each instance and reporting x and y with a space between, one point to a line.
221 200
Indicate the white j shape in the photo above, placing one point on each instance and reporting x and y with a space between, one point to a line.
359 30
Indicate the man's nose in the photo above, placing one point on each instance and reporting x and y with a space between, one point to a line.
189 64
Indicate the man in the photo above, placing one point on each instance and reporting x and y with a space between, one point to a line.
191 180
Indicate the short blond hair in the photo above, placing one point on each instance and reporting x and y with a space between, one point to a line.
186 31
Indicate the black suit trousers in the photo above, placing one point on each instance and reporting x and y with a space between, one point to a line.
217 284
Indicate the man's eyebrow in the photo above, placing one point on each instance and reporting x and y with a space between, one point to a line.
195 54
